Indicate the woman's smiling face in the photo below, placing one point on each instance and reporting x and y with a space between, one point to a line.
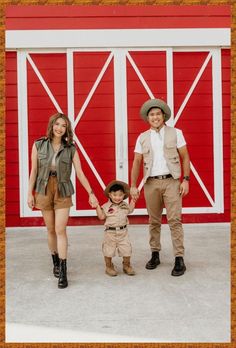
59 127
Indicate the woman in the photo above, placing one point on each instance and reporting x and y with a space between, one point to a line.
52 159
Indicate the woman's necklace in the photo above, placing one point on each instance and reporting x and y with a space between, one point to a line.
56 147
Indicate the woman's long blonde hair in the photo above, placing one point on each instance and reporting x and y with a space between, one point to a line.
68 136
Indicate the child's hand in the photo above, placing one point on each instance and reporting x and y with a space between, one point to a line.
96 205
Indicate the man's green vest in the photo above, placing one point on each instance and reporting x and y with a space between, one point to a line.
63 162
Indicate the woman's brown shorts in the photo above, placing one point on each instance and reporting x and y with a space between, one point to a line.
52 199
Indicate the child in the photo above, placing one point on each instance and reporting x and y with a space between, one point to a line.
115 212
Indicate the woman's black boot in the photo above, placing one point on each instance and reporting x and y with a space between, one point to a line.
55 259
62 281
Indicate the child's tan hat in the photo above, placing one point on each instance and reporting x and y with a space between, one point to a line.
118 182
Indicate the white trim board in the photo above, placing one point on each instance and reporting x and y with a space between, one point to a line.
117 38
137 212
78 228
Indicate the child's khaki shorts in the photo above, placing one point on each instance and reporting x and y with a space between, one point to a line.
52 199
116 240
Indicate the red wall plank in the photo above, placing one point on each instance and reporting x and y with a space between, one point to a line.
116 17
20 11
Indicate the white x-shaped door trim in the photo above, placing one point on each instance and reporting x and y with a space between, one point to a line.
214 54
119 60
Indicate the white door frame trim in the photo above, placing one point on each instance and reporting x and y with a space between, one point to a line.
117 38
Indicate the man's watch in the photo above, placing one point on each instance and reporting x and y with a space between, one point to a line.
187 178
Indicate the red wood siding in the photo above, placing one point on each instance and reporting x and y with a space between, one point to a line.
40 107
226 147
117 17
97 139
152 66
226 87
196 120
12 164
95 129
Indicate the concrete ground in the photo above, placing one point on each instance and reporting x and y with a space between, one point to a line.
151 306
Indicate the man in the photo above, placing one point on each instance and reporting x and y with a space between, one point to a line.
160 149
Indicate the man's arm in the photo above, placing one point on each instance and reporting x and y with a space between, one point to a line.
138 157
183 152
131 206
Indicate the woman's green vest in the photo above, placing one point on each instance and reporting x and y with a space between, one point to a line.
63 162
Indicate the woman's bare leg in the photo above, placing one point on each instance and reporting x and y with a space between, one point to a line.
49 219
61 219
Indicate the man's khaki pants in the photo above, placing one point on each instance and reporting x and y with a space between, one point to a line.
159 193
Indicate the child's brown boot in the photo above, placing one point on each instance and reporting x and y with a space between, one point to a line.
110 270
127 268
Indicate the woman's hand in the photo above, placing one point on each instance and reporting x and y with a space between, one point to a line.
30 201
93 200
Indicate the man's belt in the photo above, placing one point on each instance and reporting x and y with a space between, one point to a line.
115 228
161 177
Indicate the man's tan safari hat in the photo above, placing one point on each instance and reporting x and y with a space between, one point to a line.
117 182
155 103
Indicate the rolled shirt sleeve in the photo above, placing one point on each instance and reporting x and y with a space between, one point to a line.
180 141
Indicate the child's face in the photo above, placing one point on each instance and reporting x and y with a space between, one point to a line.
117 196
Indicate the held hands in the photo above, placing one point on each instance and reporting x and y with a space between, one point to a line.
30 201
134 192
184 188
133 201
93 200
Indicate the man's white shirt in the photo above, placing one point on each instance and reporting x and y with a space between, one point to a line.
159 166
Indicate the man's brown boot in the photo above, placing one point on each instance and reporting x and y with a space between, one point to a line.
110 270
127 268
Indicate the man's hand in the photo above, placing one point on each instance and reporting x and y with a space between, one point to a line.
184 188
134 192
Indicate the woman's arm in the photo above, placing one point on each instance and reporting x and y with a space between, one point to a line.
33 176
83 180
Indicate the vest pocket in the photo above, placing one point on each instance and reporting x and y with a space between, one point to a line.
174 159
43 159
171 152
65 169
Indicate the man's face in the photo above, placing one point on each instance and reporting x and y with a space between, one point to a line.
156 118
